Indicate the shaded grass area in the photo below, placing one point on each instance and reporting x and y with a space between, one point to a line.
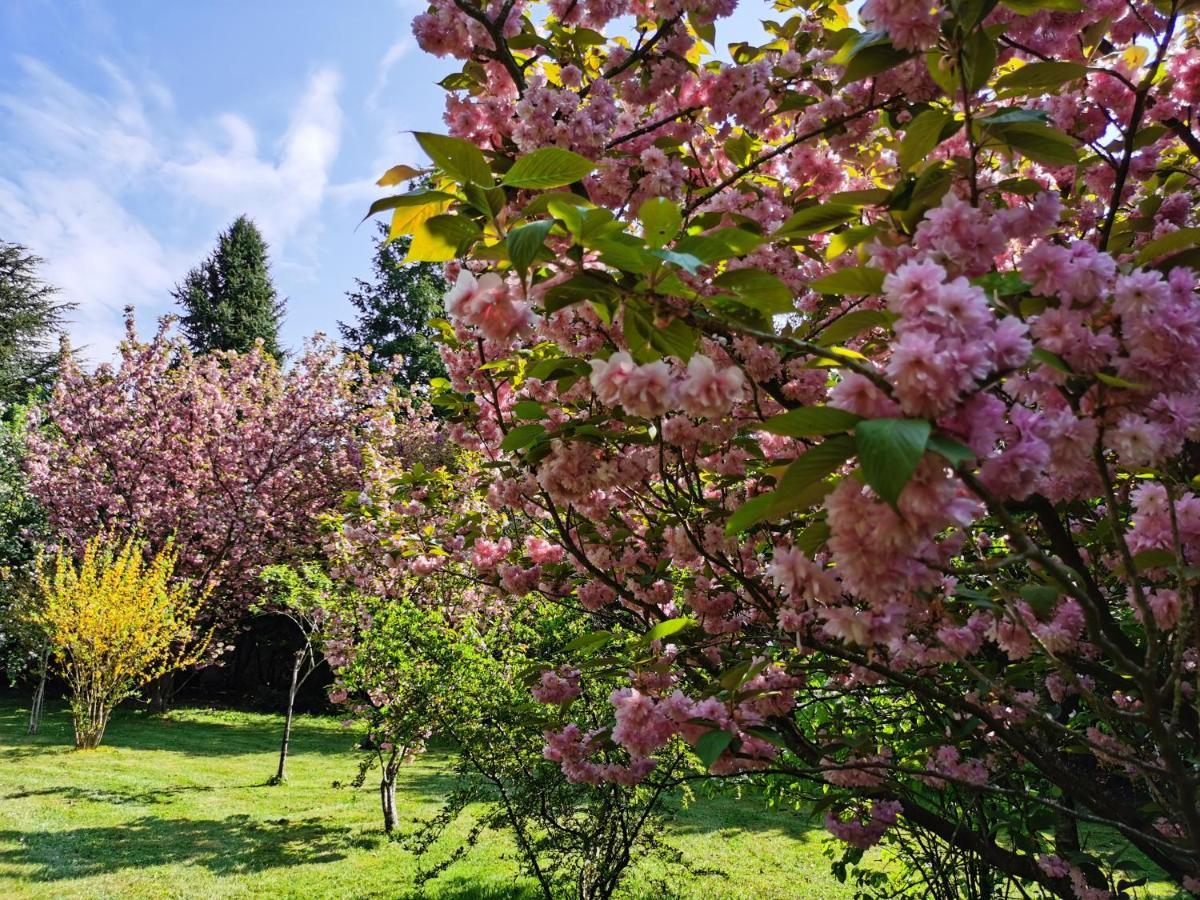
177 805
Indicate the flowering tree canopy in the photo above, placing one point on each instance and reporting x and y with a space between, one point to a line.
851 386
228 453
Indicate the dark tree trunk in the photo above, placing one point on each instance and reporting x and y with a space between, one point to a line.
387 797
39 694
160 692
281 774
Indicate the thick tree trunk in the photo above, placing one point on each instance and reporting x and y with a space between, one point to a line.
39 694
160 693
281 774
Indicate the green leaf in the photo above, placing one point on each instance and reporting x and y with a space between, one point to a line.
668 628
523 243
683 260
461 160
548 167
724 243
813 538
1041 143
749 513
889 451
979 58
1168 243
921 136
952 450
872 60
592 286
1053 360
849 238
661 220
588 642
815 219
1032 7
852 324
676 338
711 745
529 409
397 174
758 290
522 436
810 421
811 467
1040 77
1118 382
441 238
1042 598
858 280
412 198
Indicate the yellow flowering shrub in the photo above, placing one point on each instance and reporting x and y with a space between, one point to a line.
116 620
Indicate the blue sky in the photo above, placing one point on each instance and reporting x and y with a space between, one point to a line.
132 131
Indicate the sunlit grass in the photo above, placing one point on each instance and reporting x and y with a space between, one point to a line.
179 806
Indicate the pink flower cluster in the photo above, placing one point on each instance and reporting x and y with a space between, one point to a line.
864 828
947 338
911 24
557 686
487 304
650 389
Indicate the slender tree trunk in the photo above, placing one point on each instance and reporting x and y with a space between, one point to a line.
39 693
91 719
387 793
281 775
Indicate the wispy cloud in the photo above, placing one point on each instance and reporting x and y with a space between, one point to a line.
84 168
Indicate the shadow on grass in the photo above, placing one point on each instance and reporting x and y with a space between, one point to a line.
233 845
74 794
175 732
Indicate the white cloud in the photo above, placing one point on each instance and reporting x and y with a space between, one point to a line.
283 191
120 198
383 72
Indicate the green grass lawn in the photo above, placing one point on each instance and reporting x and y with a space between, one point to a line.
177 806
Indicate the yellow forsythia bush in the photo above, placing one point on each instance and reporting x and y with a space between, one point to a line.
115 620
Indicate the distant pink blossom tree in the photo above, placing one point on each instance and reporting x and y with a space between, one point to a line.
233 455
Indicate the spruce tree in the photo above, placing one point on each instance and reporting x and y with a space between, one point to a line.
394 311
228 300
31 322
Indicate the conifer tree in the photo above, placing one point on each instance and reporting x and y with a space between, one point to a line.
228 300
31 320
394 311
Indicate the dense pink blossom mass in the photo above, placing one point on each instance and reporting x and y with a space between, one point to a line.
229 454
850 383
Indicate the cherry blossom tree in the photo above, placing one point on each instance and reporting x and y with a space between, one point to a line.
849 383
229 455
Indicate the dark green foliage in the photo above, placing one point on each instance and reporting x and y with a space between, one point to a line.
22 527
31 319
394 311
228 300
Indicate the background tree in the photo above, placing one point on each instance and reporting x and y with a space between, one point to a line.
31 320
23 648
115 621
394 311
301 594
233 457
228 301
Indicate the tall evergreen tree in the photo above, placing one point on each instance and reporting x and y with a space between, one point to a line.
31 320
228 300
394 310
